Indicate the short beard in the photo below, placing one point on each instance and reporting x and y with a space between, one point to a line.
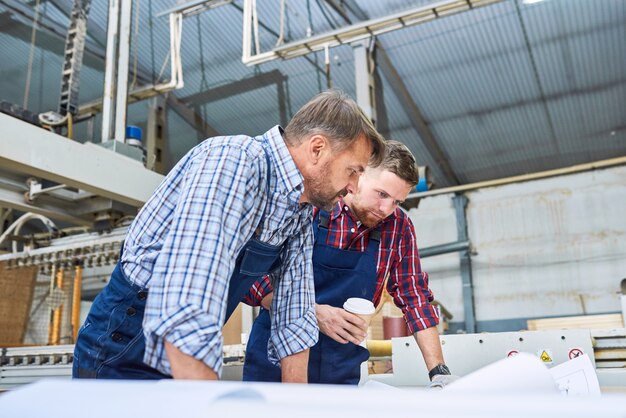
363 215
318 193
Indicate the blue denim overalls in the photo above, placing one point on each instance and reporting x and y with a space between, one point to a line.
111 343
339 275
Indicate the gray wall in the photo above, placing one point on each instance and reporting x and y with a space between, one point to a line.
544 248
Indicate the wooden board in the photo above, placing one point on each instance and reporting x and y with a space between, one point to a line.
16 296
608 321
612 354
232 328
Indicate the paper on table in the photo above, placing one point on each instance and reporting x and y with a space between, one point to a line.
523 373
576 377
373 384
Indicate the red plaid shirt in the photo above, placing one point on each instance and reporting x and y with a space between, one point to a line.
398 257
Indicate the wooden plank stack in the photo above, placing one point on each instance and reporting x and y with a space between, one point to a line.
607 331
16 295
609 321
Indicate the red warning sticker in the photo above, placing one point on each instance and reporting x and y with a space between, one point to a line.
575 352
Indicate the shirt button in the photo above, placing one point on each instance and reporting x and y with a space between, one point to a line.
116 336
352 230
346 208
142 295
131 311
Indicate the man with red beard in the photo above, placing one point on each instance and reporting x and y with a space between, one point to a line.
364 239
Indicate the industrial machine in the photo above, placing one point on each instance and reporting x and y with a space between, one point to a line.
465 353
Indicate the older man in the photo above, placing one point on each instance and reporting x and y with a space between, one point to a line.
363 240
232 210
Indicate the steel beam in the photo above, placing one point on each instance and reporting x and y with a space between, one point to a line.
156 136
402 93
110 74
460 203
416 118
121 86
15 200
243 86
28 149
363 79
191 116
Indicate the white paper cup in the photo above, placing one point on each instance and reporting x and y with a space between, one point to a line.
361 307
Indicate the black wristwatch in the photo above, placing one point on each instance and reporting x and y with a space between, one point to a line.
438 369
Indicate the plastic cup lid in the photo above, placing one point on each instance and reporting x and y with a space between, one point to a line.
359 306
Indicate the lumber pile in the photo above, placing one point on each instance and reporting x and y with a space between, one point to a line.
16 294
608 321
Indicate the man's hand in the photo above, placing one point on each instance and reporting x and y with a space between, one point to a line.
440 381
340 325
266 302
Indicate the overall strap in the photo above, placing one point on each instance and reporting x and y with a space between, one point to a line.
376 234
322 222
320 226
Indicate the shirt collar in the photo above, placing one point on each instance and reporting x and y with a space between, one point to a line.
287 173
338 209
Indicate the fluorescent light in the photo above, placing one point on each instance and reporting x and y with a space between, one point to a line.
531 1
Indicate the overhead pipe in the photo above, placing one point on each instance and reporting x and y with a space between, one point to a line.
451 247
579 168
17 226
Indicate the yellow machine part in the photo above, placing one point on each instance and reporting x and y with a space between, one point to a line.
379 348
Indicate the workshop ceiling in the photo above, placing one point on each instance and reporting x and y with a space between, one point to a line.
505 89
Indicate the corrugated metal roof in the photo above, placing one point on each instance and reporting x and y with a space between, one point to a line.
505 89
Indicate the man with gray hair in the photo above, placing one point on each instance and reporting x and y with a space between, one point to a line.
363 242
234 209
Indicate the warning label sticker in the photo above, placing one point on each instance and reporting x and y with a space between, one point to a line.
512 353
545 356
575 352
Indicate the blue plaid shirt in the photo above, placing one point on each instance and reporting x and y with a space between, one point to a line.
184 242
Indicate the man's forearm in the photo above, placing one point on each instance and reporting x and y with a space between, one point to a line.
430 345
294 368
186 367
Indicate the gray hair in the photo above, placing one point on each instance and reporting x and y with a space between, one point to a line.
336 116
399 160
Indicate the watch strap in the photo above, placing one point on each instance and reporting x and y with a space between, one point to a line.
438 369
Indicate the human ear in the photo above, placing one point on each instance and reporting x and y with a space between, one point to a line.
318 145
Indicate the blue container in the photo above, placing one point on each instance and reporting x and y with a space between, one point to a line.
133 132
422 185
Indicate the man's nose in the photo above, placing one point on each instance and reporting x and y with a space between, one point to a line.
352 184
387 206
